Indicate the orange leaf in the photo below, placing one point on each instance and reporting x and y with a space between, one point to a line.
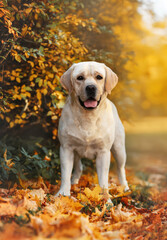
28 10
7 209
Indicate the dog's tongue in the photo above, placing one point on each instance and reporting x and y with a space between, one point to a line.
90 103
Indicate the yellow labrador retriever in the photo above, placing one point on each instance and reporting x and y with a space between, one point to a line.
89 125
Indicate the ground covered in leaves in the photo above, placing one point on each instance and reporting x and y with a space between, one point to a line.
29 210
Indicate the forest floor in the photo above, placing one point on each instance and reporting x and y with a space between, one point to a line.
30 210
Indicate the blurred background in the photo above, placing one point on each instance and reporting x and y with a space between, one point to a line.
39 40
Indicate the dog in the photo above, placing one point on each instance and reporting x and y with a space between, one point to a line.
89 126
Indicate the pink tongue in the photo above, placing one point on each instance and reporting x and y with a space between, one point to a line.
90 103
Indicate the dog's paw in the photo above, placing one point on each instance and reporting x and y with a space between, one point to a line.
126 189
62 192
74 180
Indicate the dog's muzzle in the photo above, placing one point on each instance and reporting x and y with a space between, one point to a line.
90 103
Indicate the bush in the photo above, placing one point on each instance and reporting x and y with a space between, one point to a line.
41 39
36 48
28 159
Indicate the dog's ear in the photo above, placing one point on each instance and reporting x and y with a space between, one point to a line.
65 79
111 80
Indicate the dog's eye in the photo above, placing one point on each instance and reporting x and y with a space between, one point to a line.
80 78
99 77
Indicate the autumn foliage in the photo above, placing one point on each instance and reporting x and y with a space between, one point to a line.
31 212
39 40
36 48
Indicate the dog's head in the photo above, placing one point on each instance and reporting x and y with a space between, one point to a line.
89 81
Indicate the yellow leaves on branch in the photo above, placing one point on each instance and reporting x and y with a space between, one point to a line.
42 57
28 10
79 21
44 91
17 57
39 96
33 76
16 72
54 132
31 63
54 69
23 115
24 30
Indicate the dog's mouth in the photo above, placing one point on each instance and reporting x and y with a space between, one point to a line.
90 103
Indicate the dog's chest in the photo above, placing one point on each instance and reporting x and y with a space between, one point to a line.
87 143
87 134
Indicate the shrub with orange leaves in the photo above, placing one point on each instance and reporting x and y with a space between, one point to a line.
37 46
39 40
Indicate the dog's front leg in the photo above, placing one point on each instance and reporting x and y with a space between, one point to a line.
103 165
66 162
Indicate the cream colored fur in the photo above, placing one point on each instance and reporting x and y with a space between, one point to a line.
92 134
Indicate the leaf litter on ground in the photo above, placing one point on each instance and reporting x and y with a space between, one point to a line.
31 211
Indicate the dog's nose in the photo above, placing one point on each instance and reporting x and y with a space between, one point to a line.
91 90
